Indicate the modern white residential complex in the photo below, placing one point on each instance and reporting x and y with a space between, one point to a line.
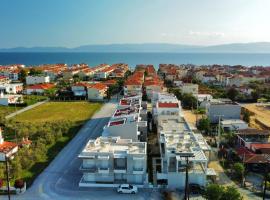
176 138
112 160
129 120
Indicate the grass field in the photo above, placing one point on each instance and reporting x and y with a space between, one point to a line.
56 111
5 110
51 112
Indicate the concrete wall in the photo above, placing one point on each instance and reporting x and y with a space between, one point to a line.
229 111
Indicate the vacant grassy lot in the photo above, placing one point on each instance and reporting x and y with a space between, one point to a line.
57 111
5 110
50 127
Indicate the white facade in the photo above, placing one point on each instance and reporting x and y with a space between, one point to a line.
32 80
176 138
11 88
96 94
233 124
127 117
189 88
110 160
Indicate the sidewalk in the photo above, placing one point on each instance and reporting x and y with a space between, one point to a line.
25 109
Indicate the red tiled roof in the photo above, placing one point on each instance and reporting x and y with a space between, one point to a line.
6 147
44 86
82 84
98 86
168 105
260 145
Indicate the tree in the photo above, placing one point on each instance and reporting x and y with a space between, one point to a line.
218 192
33 71
246 116
19 183
231 193
255 95
232 93
214 192
189 101
1 183
239 170
204 125
22 75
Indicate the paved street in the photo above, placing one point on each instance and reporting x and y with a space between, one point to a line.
60 179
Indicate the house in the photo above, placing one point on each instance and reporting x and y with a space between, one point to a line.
189 88
80 89
33 80
113 160
4 80
39 88
153 85
233 124
175 139
7 149
11 88
97 92
132 87
223 109
130 116
5 100
253 147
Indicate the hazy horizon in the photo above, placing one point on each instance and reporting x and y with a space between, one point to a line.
68 23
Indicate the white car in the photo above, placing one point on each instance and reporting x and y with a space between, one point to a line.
127 189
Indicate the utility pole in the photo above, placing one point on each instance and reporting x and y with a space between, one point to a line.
187 156
7 173
265 180
219 118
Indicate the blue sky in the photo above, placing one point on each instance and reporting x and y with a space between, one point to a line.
71 23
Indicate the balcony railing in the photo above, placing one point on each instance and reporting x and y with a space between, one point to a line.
103 170
91 169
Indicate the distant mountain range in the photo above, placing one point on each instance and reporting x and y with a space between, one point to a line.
258 47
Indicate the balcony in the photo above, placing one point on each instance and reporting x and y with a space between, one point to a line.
103 170
90 169
120 170
138 170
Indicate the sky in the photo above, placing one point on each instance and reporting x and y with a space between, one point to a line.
72 23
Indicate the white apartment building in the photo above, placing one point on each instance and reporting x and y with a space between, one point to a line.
112 161
128 121
5 100
176 138
32 80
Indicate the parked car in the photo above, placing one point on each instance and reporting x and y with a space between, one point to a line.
196 188
127 189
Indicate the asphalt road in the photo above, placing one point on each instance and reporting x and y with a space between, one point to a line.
60 179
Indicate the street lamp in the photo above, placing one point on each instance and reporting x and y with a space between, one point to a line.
187 156
219 118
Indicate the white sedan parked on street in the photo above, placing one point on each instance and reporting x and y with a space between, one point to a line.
127 189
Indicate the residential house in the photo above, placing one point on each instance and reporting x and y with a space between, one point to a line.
39 88
33 80
112 161
97 92
222 109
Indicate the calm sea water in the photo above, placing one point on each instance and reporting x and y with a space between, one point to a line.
135 58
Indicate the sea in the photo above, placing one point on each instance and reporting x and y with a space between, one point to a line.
93 59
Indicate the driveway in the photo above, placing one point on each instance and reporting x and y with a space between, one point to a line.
60 179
